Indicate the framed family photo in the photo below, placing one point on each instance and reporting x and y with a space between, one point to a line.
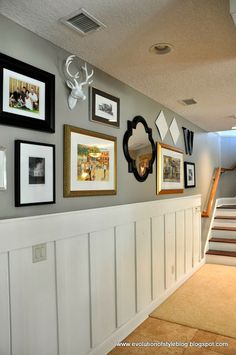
170 172
34 173
27 96
189 175
89 163
105 108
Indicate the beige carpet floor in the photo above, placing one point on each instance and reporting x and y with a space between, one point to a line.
206 301
157 330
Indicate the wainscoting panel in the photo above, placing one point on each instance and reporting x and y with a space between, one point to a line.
73 293
33 306
158 255
144 261
4 306
169 249
125 271
106 269
103 297
196 233
180 244
188 239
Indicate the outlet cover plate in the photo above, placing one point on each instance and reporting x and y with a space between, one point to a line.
39 252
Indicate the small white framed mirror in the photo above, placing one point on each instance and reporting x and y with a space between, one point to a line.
3 168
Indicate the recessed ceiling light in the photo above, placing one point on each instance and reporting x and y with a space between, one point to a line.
161 48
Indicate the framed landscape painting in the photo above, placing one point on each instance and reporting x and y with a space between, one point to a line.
27 96
105 108
189 175
170 172
89 163
34 173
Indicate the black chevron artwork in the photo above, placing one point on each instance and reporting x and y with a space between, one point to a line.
188 140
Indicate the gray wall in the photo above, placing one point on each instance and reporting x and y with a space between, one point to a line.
17 42
227 186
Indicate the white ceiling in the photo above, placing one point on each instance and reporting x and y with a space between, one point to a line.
202 65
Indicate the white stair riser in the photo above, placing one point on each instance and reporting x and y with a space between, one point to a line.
219 259
224 222
225 212
223 234
222 246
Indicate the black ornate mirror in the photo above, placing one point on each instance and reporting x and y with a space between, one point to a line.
139 148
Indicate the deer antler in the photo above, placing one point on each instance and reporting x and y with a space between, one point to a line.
68 62
87 76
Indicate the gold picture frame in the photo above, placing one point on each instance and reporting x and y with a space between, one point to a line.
170 169
90 163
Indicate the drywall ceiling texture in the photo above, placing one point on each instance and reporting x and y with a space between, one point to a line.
22 44
202 64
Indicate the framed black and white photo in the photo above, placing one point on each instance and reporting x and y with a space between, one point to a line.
189 175
27 96
105 108
34 173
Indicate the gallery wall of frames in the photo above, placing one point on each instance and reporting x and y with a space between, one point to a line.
116 146
90 158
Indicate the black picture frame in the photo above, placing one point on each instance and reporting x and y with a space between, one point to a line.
18 200
187 184
20 120
99 119
132 168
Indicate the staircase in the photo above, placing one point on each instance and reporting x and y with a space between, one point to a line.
222 240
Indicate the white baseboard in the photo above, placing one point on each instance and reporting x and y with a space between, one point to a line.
129 327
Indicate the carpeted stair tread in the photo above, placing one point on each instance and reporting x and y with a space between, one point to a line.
222 253
220 228
227 207
223 240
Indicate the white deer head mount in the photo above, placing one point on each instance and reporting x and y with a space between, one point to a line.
76 87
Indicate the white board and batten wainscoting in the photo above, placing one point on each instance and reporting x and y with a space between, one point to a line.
106 269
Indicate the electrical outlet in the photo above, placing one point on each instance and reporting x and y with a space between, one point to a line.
39 253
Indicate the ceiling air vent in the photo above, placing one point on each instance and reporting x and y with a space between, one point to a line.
83 22
188 102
